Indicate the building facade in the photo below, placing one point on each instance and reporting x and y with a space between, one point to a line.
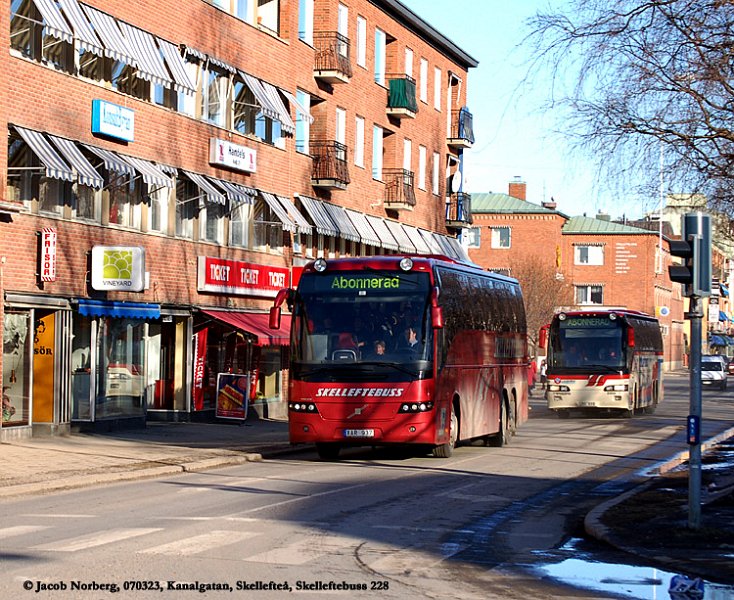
165 177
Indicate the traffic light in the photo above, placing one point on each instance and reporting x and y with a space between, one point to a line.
695 250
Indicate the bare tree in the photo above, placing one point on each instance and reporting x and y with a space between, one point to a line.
641 79
543 292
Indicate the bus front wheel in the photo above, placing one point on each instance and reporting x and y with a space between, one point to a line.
328 451
447 449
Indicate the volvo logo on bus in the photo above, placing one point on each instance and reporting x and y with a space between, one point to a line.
358 411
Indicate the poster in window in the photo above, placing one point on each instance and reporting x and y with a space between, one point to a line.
232 396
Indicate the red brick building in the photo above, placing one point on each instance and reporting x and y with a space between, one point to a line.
167 166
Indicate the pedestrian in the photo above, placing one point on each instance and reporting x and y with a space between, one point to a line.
543 374
532 371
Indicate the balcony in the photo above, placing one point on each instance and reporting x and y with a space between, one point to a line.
461 134
332 63
399 190
401 98
458 210
329 168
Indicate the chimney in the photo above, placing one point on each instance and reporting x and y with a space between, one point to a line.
602 216
517 188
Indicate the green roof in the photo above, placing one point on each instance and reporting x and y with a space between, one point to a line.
503 203
591 225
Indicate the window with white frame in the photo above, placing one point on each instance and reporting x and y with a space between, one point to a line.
473 236
268 15
407 155
588 254
500 237
377 152
211 222
421 167
436 174
125 203
244 109
342 28
187 102
437 88
245 10
240 220
305 21
589 294
380 50
158 209
267 228
341 125
303 124
359 141
409 62
423 83
361 41
187 205
214 96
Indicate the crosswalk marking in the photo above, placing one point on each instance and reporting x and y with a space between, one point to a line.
20 530
200 543
95 539
300 553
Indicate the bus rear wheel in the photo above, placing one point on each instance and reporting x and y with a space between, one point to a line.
502 438
447 449
328 451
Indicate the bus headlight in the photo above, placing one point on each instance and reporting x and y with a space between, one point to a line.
558 388
415 407
303 407
617 387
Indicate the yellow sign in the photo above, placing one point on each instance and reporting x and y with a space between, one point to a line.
43 369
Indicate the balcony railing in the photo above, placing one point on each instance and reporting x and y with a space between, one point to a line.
332 62
458 210
462 131
401 98
330 168
399 190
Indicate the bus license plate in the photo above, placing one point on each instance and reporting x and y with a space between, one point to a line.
359 433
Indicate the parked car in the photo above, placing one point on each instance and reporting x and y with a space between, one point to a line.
714 371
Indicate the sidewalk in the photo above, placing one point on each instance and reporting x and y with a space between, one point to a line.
42 465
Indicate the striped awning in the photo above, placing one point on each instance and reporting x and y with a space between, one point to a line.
56 168
362 225
303 225
300 109
211 193
386 238
431 242
83 31
221 64
417 239
112 161
237 194
54 21
339 216
319 216
177 65
150 61
86 173
284 116
115 44
151 174
261 96
279 210
404 243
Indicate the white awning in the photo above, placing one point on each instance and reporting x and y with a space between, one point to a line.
212 194
401 237
112 161
86 173
339 216
151 174
56 168
299 107
362 225
279 210
237 194
150 62
83 31
417 239
177 66
284 116
115 44
221 64
261 96
431 242
386 238
54 21
303 225
319 215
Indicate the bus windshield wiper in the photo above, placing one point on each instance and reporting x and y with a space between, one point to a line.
609 368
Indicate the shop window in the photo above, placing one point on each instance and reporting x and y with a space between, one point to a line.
211 222
187 205
244 109
81 360
239 225
16 369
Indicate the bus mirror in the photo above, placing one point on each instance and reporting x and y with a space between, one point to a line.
543 336
437 317
630 337
274 317
282 296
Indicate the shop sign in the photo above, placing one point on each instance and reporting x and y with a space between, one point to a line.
120 268
240 278
713 310
113 120
232 156
48 254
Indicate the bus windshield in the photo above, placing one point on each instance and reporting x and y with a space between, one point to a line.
586 342
364 317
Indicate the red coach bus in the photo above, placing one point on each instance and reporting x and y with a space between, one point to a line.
404 350
603 359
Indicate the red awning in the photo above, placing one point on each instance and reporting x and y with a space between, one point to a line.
256 324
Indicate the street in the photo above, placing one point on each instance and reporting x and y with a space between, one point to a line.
379 522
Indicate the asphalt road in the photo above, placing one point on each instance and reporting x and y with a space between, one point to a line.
388 523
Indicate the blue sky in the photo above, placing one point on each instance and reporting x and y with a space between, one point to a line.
514 137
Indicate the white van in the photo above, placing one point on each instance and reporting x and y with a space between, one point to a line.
714 371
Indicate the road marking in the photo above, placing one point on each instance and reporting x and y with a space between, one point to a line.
200 543
56 516
95 539
20 530
412 558
302 552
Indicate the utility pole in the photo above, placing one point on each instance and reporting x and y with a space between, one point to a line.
695 275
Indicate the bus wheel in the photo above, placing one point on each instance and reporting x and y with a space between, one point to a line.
447 449
563 413
505 433
629 412
328 451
